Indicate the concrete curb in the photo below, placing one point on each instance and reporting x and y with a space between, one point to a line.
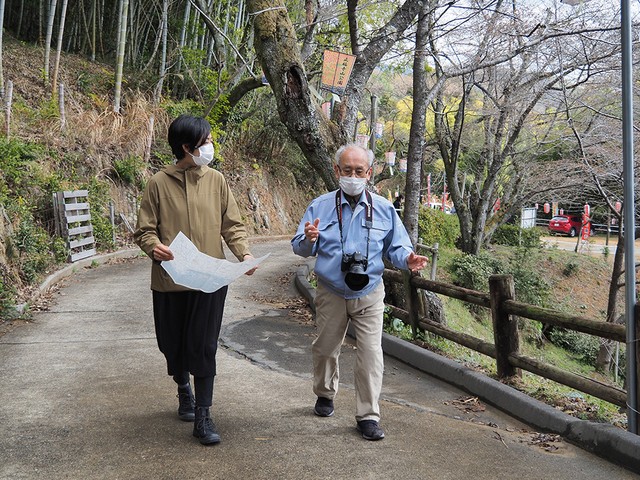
301 281
605 440
69 270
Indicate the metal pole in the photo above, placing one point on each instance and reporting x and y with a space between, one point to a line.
629 217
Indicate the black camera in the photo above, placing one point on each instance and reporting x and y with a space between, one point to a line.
355 264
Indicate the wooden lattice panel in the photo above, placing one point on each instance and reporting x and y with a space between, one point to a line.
73 222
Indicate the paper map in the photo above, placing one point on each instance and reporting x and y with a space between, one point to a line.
193 269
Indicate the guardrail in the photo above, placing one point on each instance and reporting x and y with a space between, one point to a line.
505 349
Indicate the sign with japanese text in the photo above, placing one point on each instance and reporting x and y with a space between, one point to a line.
336 70
362 140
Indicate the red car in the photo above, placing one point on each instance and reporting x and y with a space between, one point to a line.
566 224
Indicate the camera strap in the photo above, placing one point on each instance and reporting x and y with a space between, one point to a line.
368 219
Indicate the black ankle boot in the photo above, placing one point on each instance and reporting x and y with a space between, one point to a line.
186 404
204 429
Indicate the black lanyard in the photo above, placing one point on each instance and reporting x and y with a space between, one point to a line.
368 217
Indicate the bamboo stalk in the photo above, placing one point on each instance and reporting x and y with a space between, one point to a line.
7 107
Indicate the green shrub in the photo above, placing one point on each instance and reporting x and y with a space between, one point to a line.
18 164
435 226
473 271
59 249
49 109
100 218
584 346
176 108
7 293
31 244
530 285
571 268
130 170
514 236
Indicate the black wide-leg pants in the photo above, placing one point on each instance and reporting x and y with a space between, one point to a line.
187 329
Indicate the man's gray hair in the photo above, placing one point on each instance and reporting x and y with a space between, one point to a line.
368 153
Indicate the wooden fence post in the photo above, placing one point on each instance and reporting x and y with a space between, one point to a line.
505 326
415 302
434 261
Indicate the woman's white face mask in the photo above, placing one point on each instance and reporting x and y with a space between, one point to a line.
352 186
206 154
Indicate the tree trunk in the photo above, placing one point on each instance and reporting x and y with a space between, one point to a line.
603 360
417 130
277 48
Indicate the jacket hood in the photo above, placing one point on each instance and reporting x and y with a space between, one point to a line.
178 173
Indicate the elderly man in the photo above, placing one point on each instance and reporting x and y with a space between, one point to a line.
351 231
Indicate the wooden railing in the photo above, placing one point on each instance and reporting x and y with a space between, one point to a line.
505 349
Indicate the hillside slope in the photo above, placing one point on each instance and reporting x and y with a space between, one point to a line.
119 151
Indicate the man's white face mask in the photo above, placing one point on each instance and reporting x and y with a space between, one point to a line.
352 186
206 154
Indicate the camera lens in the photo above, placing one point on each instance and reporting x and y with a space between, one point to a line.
356 277
356 281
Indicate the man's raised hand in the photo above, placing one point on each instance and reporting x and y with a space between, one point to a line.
311 231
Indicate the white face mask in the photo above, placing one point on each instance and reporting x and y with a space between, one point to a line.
206 154
352 186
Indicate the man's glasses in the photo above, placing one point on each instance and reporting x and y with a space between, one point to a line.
349 172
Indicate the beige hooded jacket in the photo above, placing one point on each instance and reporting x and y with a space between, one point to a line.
196 201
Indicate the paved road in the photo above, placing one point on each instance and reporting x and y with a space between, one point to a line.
85 395
596 245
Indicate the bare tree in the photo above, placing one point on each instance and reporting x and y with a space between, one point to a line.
594 121
510 72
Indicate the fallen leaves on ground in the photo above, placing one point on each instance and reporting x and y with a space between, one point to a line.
297 307
547 441
467 404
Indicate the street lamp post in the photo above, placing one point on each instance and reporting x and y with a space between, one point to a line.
629 218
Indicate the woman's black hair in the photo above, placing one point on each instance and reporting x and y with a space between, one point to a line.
187 130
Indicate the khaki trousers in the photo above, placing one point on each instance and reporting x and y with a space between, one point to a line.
332 317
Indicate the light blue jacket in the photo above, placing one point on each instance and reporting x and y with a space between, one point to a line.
388 239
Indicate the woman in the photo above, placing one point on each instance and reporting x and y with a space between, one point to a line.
189 196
